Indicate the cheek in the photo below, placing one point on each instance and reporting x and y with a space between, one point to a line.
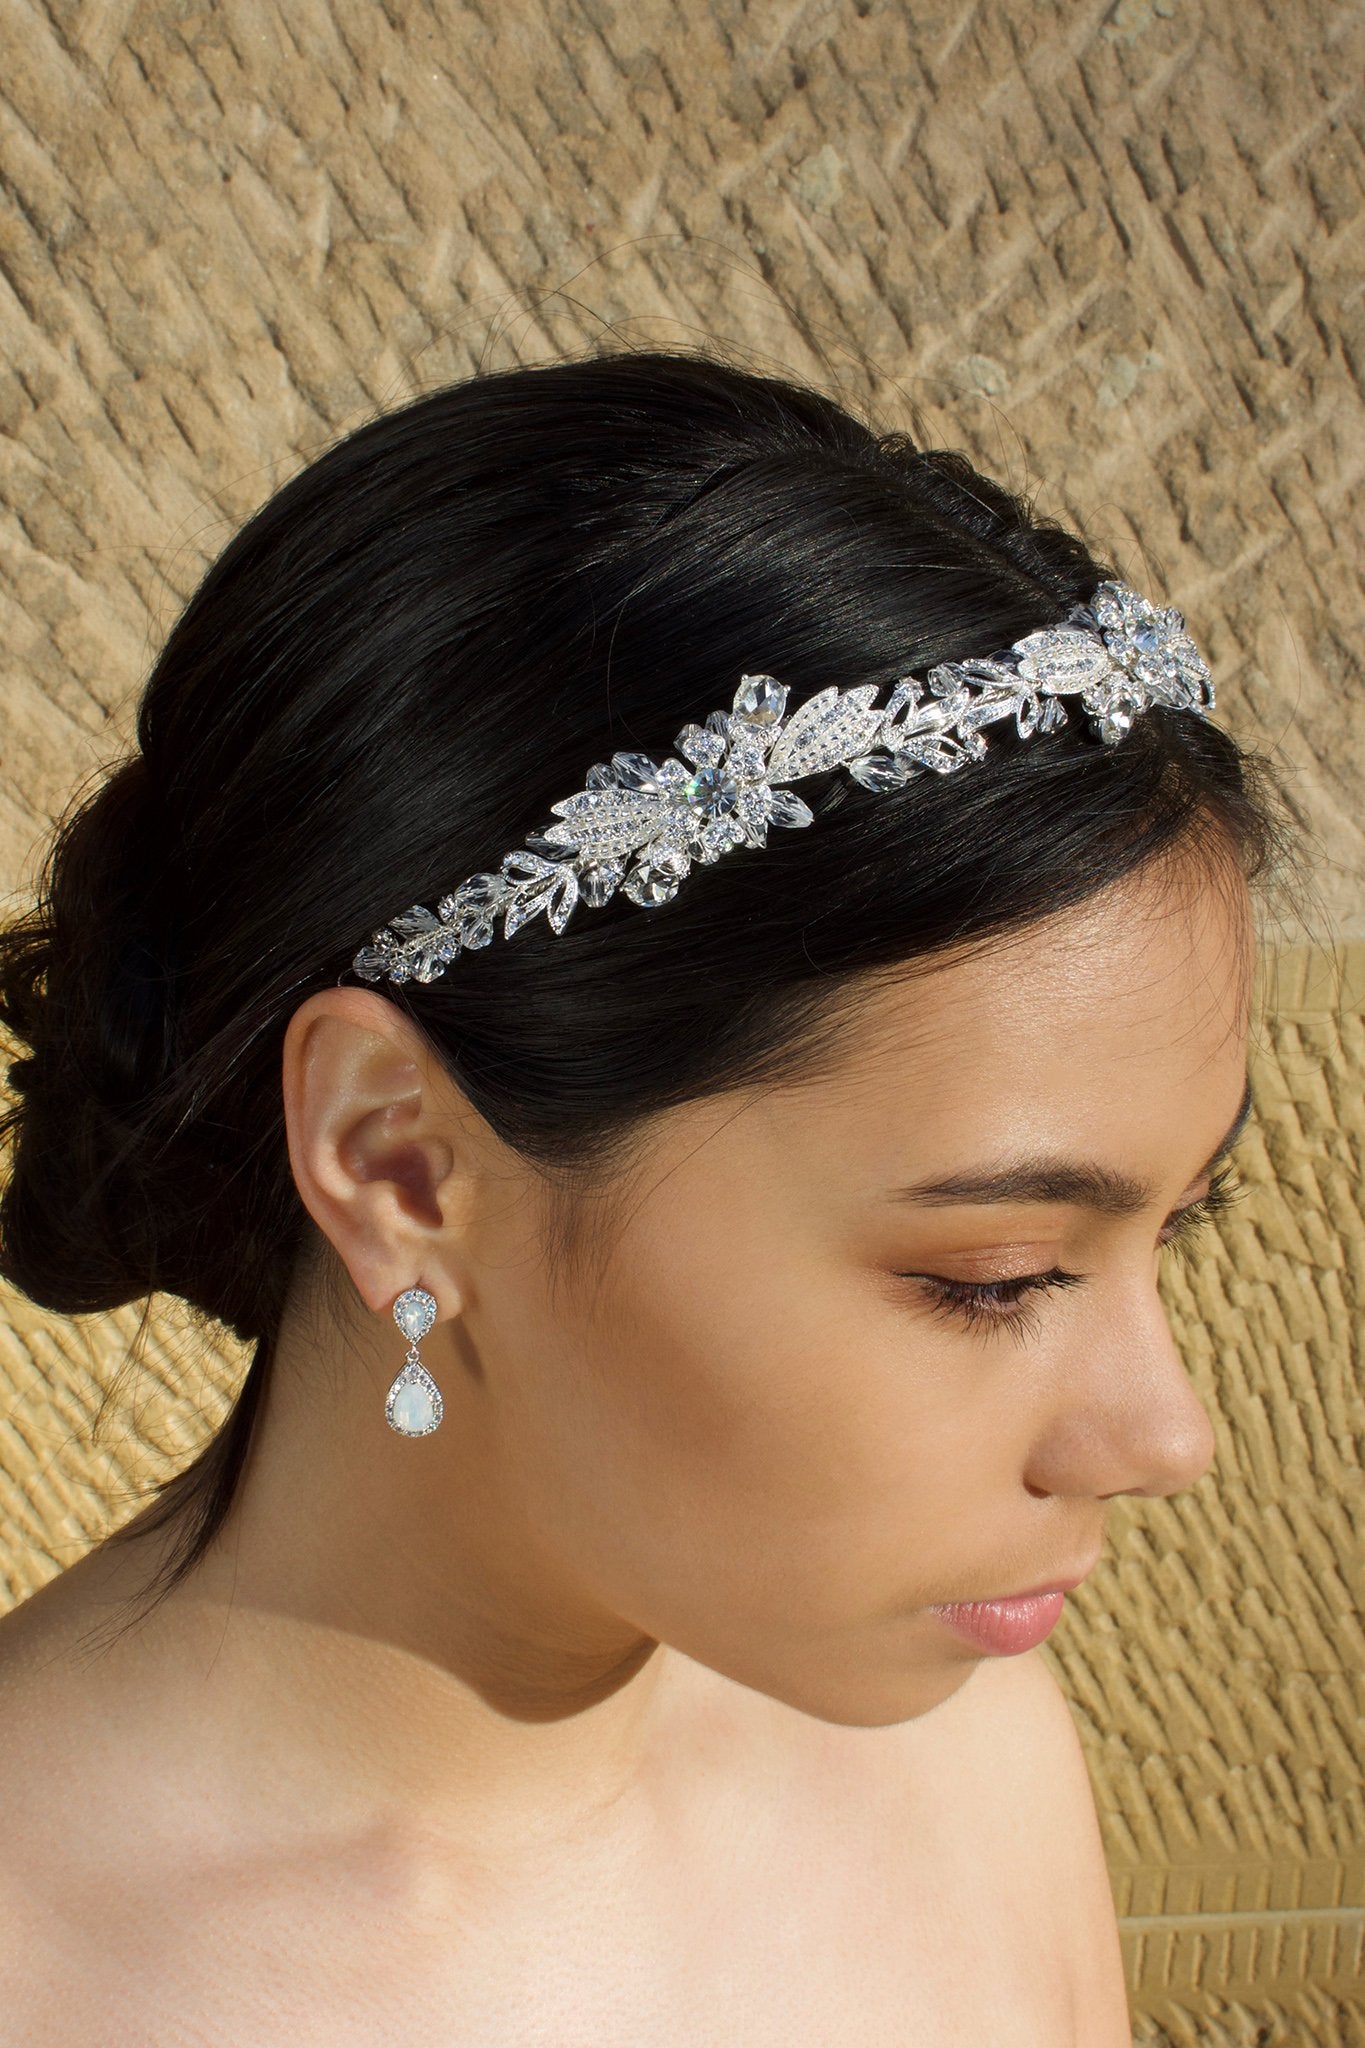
778 1440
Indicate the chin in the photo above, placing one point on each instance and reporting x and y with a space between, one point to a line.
853 1699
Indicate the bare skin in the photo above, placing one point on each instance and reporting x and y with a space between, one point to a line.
614 1710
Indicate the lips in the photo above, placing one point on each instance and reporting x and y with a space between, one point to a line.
1058 1585
1006 1623
1004 1628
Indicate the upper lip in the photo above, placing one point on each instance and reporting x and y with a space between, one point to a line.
1066 1584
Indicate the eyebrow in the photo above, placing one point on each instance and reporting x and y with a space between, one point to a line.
1082 1184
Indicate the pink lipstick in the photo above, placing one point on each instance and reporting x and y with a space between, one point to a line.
1005 1627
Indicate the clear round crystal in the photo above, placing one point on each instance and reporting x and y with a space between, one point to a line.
429 961
648 885
711 792
598 883
480 891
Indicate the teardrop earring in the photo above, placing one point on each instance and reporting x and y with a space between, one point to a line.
414 1406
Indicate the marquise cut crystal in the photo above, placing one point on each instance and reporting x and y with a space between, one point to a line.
637 825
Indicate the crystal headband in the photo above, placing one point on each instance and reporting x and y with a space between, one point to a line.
1119 654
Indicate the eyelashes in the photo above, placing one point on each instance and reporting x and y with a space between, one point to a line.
993 1304
1223 1190
1005 1304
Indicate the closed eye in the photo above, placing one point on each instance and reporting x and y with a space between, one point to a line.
1002 1304
990 1304
1180 1229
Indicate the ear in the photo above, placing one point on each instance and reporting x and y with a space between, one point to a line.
376 1131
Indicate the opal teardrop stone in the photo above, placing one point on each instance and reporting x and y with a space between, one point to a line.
415 1312
414 1403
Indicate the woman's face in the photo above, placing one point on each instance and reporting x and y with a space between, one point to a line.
826 1371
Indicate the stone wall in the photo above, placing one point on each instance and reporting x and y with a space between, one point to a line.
1115 253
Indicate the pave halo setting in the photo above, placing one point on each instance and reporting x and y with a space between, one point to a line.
638 825
414 1406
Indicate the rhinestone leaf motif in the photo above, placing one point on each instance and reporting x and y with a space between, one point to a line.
638 825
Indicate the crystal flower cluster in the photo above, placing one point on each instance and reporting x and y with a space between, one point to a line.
638 825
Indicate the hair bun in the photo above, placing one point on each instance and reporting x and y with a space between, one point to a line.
84 986
22 1075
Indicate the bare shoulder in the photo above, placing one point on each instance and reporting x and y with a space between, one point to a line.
79 1802
43 1745
1021 1735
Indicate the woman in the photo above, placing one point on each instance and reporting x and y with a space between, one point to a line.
702 1268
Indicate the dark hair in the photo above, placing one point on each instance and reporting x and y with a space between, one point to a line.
395 667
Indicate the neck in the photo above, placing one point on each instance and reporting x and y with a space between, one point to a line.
389 1606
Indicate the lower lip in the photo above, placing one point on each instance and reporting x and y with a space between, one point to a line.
1004 1627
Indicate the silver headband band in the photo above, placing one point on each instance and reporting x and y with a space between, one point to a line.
1119 654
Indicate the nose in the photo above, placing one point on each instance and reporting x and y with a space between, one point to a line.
1126 1418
